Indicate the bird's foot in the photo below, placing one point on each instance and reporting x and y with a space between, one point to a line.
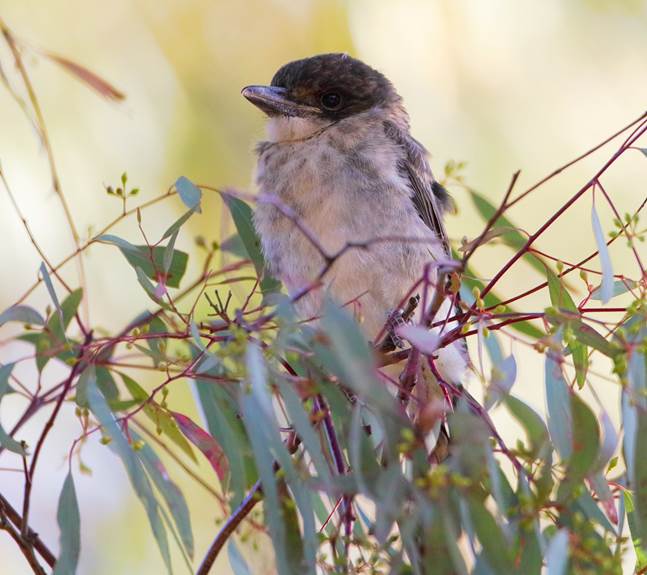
396 320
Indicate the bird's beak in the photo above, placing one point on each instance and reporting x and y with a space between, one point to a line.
274 101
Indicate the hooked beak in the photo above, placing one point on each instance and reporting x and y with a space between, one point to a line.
274 101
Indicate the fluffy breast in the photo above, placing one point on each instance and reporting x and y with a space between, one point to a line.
344 186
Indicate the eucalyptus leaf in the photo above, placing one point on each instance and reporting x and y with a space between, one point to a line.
134 468
6 440
21 313
151 260
189 193
170 492
69 524
606 288
241 213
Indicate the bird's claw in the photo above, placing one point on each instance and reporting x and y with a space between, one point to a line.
395 320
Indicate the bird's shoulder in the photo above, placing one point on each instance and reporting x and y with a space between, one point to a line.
429 197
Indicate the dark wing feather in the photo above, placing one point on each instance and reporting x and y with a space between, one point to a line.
429 197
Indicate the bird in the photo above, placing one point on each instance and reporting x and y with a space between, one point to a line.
339 167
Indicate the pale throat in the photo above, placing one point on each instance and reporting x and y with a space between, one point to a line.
289 128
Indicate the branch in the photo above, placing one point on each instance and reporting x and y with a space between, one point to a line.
232 523
7 510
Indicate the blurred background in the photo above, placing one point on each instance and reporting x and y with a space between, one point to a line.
499 84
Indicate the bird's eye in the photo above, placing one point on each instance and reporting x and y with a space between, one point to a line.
331 100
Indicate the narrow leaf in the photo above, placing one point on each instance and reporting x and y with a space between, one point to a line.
241 213
69 523
151 260
173 228
559 295
134 468
619 287
189 193
557 554
21 313
236 560
6 440
50 288
606 288
559 408
531 421
170 492
205 443
89 78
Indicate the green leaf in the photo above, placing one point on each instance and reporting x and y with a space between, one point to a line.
241 213
495 547
639 480
349 357
6 440
69 308
173 228
304 429
236 560
52 342
69 523
205 443
260 421
561 299
559 295
531 422
189 193
234 245
619 287
134 468
163 421
21 313
584 333
557 554
221 415
53 334
151 260
560 421
170 492
503 377
635 530
606 288
156 326
585 446
510 234
50 288
169 250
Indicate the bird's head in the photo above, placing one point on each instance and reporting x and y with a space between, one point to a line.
322 90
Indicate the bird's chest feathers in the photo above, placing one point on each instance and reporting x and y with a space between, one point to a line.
324 181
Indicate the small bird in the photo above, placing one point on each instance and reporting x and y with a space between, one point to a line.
340 161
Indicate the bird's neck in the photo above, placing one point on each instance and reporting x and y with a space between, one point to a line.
292 129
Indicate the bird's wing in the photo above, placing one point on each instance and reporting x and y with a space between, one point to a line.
429 197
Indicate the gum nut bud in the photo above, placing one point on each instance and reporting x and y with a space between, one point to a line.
124 178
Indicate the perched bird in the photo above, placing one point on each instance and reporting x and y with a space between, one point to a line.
340 160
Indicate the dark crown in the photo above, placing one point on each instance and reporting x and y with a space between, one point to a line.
335 79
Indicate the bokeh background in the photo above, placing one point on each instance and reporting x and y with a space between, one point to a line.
500 84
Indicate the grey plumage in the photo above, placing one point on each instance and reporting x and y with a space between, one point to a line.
350 174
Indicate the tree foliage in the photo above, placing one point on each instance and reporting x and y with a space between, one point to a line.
302 420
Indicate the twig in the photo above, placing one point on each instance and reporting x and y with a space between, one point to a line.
232 523
48 426
7 509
